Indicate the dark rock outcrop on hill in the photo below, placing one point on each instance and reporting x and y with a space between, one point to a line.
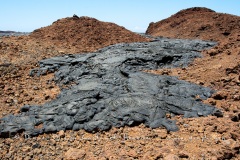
12 33
110 90
7 32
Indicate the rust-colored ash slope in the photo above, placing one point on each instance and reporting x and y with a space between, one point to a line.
84 34
201 23
219 62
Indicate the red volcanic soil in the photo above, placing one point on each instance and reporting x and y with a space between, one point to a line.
219 63
84 34
197 23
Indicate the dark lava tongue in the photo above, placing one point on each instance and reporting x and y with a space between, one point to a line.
111 90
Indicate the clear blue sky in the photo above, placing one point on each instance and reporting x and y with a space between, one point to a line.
135 15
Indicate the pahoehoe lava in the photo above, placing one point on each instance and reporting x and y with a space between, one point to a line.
111 89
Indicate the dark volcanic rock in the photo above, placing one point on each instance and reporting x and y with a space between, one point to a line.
12 33
110 90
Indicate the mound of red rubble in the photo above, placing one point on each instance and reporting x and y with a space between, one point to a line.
206 24
84 34
197 22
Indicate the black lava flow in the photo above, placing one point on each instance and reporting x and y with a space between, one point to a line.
111 89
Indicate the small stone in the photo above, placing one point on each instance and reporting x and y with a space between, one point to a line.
27 158
226 79
220 95
2 85
7 88
9 101
226 142
234 117
213 52
61 52
29 98
212 101
26 149
130 145
132 153
61 134
171 157
36 146
9 141
37 151
8 156
35 88
163 134
143 143
183 154
20 101
214 158
122 143
154 153
200 130
50 87
236 97
75 154
47 97
235 136
200 82
185 125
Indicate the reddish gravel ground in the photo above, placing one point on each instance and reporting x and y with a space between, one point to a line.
198 138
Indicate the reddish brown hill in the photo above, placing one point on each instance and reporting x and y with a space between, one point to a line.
219 68
206 24
84 34
197 22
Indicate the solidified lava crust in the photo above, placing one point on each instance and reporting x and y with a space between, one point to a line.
111 89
